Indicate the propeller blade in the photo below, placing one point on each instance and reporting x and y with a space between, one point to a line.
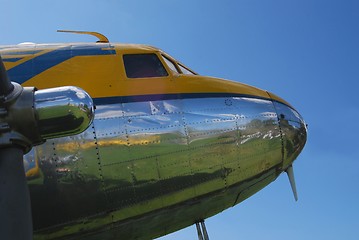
15 207
290 174
5 85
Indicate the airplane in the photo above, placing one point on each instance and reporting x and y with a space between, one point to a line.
167 148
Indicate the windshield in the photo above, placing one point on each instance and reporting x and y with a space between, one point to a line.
177 67
185 70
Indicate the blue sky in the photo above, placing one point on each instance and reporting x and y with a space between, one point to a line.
305 51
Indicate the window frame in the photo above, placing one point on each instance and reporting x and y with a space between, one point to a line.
180 66
171 60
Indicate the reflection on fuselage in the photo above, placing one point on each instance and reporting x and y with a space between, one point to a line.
144 169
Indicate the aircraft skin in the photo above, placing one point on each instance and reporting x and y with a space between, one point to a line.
164 151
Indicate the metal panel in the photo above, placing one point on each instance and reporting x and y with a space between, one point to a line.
294 132
144 157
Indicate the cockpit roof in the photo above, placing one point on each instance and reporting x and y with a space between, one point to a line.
135 47
118 46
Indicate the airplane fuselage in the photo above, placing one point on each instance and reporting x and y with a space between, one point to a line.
166 148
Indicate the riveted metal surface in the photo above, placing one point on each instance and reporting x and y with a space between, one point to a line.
156 159
294 132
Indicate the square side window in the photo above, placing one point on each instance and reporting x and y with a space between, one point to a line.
143 66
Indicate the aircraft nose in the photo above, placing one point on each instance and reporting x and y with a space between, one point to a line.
294 132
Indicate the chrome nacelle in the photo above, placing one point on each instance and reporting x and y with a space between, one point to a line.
29 117
63 111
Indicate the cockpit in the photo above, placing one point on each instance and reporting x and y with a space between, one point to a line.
151 65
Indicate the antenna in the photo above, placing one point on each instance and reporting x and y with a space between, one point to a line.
290 174
101 38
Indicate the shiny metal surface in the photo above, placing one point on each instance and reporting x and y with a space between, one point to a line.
144 169
294 132
62 111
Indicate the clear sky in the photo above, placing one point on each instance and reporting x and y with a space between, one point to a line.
306 51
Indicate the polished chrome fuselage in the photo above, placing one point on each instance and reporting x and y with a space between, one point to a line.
163 152
148 168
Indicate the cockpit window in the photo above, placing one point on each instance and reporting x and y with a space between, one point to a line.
170 64
143 66
185 70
